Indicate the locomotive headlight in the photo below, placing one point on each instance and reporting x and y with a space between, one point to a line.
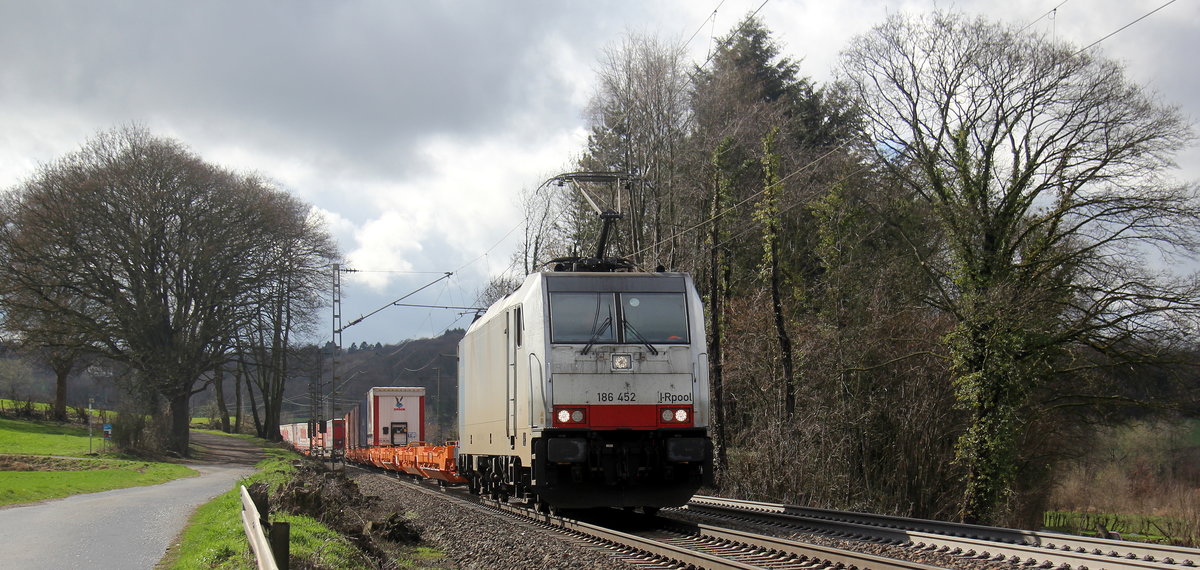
621 361
681 415
570 416
666 415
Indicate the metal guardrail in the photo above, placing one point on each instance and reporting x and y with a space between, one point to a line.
271 551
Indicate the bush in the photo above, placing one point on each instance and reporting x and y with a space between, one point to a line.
1140 480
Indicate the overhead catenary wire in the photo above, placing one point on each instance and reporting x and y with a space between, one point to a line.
1049 12
360 319
494 246
739 29
1122 28
399 271
711 17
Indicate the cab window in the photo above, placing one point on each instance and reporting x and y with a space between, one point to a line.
582 317
657 318
627 318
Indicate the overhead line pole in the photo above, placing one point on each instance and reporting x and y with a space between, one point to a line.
337 328
336 303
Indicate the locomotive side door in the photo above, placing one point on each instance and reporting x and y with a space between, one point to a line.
512 341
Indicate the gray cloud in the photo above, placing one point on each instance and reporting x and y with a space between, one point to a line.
415 122
361 81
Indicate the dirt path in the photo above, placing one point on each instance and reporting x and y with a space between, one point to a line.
217 449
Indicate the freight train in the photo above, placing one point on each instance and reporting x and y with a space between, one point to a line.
578 390
586 387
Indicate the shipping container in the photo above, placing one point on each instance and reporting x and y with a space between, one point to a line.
395 416
335 437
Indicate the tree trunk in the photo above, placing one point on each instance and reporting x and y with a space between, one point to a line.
991 383
769 215
715 308
785 340
259 428
237 398
60 392
61 363
181 424
219 394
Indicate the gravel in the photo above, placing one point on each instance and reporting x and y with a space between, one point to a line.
474 537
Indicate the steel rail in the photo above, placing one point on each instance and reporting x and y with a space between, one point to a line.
833 556
967 540
663 550
736 544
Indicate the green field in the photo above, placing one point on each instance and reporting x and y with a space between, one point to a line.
45 438
42 460
8 406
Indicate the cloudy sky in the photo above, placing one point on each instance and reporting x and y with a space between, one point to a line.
411 126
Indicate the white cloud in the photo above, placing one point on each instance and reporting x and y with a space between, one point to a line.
384 244
463 205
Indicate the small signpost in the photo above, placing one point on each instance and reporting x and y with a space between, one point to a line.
89 423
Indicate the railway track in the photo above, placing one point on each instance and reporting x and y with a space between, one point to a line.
661 542
657 543
668 544
1026 548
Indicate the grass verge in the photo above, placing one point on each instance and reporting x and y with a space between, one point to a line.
215 539
56 478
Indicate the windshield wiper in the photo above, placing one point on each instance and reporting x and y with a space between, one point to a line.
596 334
641 338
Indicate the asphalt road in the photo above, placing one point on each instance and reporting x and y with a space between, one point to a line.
124 528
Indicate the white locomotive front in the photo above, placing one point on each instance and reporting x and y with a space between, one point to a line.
587 389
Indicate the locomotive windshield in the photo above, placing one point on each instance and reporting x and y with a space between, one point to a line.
659 318
654 317
583 317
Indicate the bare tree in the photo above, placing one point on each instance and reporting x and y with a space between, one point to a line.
159 255
546 234
1044 168
639 119
285 303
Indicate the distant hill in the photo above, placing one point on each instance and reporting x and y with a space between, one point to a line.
431 363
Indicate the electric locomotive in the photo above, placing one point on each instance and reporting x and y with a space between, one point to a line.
588 385
587 389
